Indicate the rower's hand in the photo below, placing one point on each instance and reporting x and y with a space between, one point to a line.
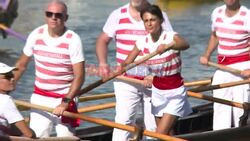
162 48
60 109
103 70
147 81
204 60
246 73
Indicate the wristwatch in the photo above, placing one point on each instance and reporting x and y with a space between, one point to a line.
66 100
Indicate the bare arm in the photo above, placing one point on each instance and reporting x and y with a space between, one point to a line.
102 43
21 64
131 57
79 77
24 129
212 44
178 43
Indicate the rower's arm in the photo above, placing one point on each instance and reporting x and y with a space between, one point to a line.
21 64
102 43
212 45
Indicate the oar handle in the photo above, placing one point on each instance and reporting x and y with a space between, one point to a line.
220 86
225 68
100 121
128 67
214 99
96 97
187 84
12 32
96 107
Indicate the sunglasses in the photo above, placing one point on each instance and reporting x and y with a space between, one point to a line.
8 75
57 15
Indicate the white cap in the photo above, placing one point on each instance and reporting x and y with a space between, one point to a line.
5 68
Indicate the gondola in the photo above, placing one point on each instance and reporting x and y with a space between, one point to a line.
195 127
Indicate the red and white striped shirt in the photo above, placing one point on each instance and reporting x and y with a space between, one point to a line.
233 35
126 31
54 58
166 66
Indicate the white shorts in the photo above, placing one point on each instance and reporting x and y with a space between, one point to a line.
43 122
172 101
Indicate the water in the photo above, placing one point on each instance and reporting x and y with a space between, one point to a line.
190 18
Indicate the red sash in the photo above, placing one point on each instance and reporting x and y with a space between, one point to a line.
72 107
227 60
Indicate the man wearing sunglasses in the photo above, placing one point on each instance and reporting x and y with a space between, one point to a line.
11 121
59 63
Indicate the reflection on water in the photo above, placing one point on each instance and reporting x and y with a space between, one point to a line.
178 7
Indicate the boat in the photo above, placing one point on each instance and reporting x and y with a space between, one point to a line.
195 127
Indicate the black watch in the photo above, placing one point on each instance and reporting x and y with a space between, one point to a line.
66 100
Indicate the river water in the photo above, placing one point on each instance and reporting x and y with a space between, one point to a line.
190 18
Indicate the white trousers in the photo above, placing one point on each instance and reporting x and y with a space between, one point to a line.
128 98
43 122
227 116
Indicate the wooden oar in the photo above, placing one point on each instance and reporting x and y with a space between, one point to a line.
101 81
214 99
225 68
100 121
220 86
187 84
96 107
12 32
96 97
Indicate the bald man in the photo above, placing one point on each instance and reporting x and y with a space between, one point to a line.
59 66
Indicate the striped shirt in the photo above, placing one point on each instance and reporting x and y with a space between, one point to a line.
54 58
233 34
126 31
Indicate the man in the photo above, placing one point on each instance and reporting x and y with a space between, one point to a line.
126 26
59 63
11 121
230 34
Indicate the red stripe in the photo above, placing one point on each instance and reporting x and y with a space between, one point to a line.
131 32
232 40
125 52
51 55
161 60
241 46
53 73
69 35
52 81
40 42
63 45
219 20
55 65
238 22
146 51
243 13
125 20
230 31
40 31
126 42
118 60
123 10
